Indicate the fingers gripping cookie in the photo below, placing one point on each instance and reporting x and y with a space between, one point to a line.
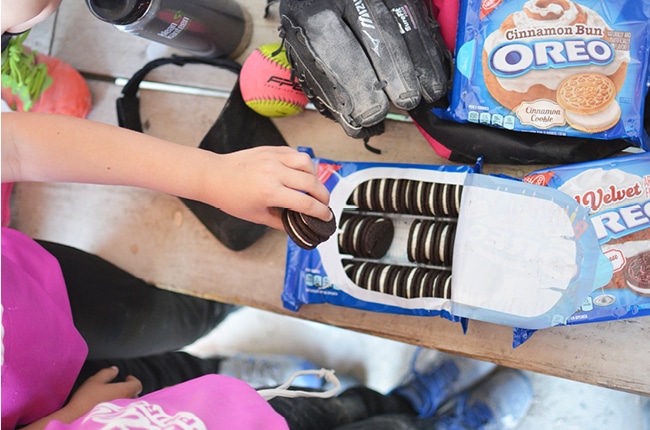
354 57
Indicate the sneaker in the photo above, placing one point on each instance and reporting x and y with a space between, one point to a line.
269 370
435 380
499 402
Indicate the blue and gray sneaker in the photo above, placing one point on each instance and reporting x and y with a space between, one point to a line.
434 381
499 402
269 370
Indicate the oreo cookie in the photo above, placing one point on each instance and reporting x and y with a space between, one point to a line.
443 285
408 197
429 243
421 252
637 273
421 195
384 193
427 286
443 244
449 244
438 195
411 278
455 197
412 241
349 266
362 274
348 226
306 231
353 200
367 195
381 278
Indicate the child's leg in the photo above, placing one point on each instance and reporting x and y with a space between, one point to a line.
353 405
121 316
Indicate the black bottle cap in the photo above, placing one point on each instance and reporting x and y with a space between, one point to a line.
118 12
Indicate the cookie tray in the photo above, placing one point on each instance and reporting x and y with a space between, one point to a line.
523 255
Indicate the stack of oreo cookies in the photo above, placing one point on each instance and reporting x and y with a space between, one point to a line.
365 236
407 196
366 233
307 232
431 242
403 281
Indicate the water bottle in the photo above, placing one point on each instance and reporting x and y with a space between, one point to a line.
209 28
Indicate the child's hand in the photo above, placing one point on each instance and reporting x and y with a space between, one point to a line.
252 184
95 390
98 388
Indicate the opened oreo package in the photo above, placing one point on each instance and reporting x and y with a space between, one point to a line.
560 67
448 241
617 194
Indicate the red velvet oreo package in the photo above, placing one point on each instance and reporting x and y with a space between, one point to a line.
617 194
426 240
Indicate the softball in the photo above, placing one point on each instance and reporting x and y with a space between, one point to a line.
266 84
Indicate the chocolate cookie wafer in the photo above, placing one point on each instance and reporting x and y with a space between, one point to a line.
306 231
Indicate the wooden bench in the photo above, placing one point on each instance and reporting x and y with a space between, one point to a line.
155 237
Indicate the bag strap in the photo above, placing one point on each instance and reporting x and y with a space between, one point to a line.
237 127
128 106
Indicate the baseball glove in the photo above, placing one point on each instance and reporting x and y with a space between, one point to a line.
354 57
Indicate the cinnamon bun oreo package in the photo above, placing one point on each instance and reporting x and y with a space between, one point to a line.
448 241
560 67
617 194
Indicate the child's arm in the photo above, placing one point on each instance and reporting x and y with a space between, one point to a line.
249 184
95 390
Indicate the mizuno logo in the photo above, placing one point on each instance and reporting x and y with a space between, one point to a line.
364 16
375 43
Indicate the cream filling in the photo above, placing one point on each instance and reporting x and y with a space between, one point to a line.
597 121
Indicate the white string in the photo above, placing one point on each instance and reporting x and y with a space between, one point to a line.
283 391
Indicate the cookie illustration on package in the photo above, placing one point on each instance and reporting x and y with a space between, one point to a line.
589 102
637 273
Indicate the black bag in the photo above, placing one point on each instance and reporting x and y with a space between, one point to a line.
464 143
237 127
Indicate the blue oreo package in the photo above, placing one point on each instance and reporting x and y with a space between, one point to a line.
426 240
558 67
617 194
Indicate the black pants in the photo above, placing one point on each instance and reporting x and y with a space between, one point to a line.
355 409
122 316
132 324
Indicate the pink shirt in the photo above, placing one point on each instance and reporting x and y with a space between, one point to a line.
42 350
210 402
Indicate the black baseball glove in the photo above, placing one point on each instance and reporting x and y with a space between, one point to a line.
354 57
